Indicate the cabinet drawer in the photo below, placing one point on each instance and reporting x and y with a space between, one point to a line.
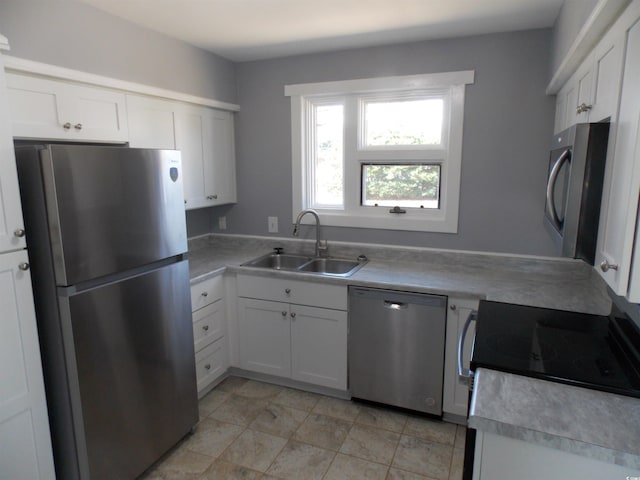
206 292
208 324
291 291
211 362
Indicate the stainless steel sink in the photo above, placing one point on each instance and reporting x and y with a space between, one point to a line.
279 261
334 267
330 266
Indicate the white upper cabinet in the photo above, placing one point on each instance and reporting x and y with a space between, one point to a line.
205 137
57 110
591 94
220 172
152 122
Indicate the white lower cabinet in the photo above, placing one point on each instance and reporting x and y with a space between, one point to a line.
501 458
209 332
25 443
265 336
307 343
617 253
456 393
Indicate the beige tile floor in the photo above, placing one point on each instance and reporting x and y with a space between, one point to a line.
252 430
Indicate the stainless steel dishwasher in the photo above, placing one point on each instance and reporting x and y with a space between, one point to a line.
396 348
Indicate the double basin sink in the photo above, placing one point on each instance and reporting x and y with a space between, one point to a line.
335 267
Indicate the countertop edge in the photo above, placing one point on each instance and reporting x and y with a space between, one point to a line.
480 420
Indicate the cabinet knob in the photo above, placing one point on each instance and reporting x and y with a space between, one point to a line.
78 126
19 232
207 366
212 197
24 266
215 196
205 328
583 107
287 291
66 126
605 266
453 307
293 315
204 294
284 313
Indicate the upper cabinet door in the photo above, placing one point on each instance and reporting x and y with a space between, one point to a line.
12 234
607 76
190 140
205 137
152 122
220 167
55 110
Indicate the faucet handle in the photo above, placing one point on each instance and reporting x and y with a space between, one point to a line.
278 250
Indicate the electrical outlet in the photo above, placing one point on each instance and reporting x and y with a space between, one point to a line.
222 223
272 223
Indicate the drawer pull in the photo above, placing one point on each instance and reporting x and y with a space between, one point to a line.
204 294
207 366
287 291
293 315
284 314
205 327
67 126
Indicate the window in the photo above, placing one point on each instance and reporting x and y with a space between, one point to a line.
381 152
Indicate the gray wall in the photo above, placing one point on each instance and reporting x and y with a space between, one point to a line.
571 19
71 34
507 127
75 35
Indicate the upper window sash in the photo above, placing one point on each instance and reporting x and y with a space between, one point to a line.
366 118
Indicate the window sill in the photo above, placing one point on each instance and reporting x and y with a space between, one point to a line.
415 222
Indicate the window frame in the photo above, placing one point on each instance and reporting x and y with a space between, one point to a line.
304 96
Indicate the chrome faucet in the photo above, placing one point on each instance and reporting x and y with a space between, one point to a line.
321 245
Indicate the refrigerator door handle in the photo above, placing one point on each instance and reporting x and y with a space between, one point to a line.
565 156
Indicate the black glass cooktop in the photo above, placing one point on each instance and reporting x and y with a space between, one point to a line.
589 351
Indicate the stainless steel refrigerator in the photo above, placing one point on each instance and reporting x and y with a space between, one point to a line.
107 243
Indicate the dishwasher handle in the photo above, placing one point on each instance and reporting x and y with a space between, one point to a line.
395 305
465 375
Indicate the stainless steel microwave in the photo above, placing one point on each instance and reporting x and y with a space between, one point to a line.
574 189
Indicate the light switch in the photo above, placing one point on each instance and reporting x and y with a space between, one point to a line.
273 224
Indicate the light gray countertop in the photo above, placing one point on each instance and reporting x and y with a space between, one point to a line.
553 283
555 415
585 422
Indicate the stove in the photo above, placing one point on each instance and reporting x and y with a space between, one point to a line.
591 351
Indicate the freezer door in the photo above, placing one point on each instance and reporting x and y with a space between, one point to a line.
111 208
133 392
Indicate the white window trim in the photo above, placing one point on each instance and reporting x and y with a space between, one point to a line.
443 220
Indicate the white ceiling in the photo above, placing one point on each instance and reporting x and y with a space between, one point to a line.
243 30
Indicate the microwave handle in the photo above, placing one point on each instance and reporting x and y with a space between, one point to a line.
551 186
465 375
